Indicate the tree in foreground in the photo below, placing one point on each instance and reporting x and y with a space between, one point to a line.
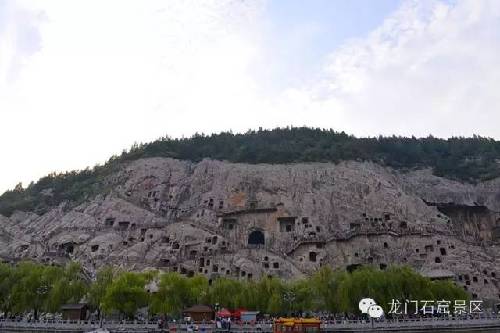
31 287
126 294
98 289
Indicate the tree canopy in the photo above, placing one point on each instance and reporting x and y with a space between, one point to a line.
35 287
466 159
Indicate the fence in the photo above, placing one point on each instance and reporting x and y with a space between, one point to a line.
483 321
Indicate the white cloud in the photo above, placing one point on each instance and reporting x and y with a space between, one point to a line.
19 38
80 80
430 68
109 73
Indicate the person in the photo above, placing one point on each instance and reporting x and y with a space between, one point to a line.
224 323
218 323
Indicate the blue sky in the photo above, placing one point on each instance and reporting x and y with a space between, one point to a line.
80 80
303 35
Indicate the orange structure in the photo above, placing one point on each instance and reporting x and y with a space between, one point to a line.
297 325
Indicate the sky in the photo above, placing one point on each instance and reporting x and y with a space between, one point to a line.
81 80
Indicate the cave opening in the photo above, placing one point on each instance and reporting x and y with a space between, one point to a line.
256 237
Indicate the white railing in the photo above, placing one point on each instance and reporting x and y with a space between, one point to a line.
480 321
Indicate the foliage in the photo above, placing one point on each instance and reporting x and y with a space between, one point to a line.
7 282
466 159
98 289
326 288
175 293
31 289
126 294
34 287
68 286
270 294
341 292
226 292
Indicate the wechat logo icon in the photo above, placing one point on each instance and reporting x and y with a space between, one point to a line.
370 307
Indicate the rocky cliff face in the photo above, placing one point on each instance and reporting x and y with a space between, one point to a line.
238 220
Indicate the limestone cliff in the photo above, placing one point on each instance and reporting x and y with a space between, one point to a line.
240 220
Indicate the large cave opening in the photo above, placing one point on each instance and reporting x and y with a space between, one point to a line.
256 237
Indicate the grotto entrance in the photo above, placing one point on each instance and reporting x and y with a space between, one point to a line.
256 237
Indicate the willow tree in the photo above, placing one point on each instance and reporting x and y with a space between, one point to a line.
271 292
173 294
69 285
126 294
97 292
33 285
7 282
226 292
326 290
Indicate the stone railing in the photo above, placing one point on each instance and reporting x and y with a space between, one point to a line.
402 324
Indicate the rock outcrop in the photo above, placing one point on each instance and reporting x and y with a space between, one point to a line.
244 221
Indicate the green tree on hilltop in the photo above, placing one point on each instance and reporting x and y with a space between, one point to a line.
465 159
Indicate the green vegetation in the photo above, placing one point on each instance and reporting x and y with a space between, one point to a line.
34 287
126 294
52 190
466 159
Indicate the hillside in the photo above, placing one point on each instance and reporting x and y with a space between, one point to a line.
469 160
283 203
243 221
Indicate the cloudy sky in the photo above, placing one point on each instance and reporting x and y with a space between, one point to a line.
82 80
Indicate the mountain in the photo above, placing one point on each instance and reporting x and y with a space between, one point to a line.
468 160
288 204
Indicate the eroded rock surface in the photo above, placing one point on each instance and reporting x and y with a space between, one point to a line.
244 221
